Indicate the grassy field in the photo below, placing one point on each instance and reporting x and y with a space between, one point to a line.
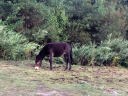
18 78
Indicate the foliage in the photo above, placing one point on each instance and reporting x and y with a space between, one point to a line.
76 21
14 45
5 10
56 21
110 52
31 16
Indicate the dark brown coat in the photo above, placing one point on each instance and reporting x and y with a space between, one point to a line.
55 50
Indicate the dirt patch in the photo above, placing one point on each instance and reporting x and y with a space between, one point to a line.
45 91
52 93
111 92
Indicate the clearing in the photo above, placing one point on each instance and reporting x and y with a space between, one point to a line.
18 78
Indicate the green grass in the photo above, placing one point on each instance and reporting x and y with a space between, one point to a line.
20 79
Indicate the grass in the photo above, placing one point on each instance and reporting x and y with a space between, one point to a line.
18 78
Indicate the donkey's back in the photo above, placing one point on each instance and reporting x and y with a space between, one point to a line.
57 49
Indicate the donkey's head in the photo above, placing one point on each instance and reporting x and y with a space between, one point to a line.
38 62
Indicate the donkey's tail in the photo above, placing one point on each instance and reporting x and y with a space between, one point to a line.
71 57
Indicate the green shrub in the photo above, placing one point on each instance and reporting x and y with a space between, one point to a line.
91 54
124 62
83 53
119 46
14 45
110 52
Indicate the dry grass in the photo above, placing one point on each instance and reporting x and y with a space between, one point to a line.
20 79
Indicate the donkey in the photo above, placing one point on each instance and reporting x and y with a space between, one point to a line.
55 49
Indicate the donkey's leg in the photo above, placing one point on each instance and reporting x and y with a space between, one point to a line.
50 60
66 60
70 66
69 62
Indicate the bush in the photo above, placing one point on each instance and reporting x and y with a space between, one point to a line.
91 54
83 53
14 45
110 52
